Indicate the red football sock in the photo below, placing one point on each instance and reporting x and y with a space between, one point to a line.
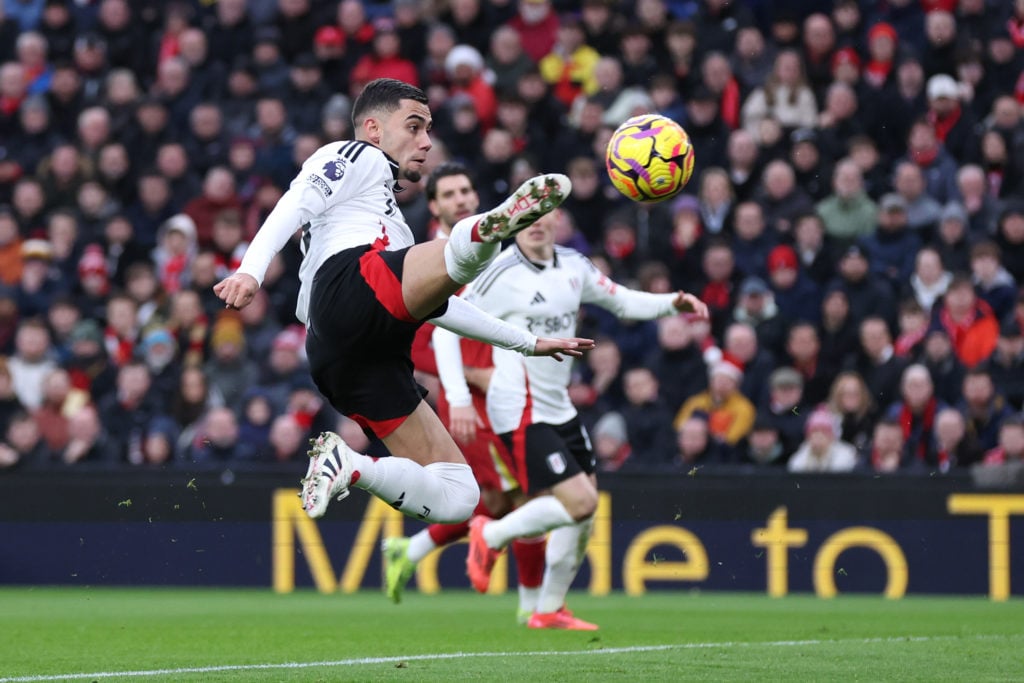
443 534
529 554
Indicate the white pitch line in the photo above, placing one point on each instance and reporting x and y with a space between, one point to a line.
470 655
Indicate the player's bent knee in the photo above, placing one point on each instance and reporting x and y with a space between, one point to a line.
461 494
583 507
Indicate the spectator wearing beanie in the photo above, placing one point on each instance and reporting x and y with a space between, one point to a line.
796 295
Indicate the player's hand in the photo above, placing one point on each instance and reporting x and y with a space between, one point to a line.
236 290
559 348
688 303
463 423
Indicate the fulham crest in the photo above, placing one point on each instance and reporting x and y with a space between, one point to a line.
556 462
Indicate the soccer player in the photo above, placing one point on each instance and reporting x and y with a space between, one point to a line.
364 290
451 197
539 286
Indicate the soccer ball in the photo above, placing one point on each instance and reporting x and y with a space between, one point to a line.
649 158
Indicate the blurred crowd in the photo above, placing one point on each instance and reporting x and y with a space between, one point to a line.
855 221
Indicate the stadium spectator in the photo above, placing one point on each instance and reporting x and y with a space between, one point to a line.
929 280
822 449
730 413
1011 443
803 349
796 295
850 400
131 408
785 408
892 246
743 163
31 362
1006 364
993 283
648 419
87 441
785 98
744 344
611 443
877 363
837 331
217 441
781 199
763 446
677 362
982 407
287 439
954 445
848 213
696 446
968 321
887 451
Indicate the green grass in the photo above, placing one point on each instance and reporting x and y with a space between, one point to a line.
245 635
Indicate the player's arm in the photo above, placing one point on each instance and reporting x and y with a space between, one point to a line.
463 419
321 182
293 210
466 320
635 305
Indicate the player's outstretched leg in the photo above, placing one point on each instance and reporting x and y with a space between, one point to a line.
443 492
329 473
398 568
566 548
476 240
534 198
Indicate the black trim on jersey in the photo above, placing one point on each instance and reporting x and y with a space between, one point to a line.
484 283
352 149
393 164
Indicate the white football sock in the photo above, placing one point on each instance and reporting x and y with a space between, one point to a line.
528 598
566 547
441 492
464 259
530 519
420 546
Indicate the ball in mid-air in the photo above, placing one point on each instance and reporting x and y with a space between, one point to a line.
649 158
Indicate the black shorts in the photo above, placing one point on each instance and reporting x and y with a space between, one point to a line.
359 337
547 454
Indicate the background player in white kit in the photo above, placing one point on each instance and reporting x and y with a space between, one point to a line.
452 196
539 286
365 289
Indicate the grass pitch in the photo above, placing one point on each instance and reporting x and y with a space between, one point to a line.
98 634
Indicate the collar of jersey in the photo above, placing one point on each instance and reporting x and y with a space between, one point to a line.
394 171
533 265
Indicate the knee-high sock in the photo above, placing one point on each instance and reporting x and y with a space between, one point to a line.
529 554
530 519
442 492
465 258
566 547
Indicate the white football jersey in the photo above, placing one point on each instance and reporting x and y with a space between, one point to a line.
342 197
545 300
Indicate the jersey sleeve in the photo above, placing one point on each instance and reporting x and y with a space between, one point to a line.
325 179
622 301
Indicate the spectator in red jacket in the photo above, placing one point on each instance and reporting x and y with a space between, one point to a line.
969 322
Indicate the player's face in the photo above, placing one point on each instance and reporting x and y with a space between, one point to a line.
455 199
538 240
405 136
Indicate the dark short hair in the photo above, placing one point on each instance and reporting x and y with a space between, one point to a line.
447 170
384 94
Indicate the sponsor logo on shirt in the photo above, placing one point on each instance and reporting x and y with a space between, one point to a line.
320 184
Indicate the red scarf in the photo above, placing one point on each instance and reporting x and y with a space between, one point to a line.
943 125
924 157
716 295
876 73
119 349
730 104
927 420
1016 27
170 278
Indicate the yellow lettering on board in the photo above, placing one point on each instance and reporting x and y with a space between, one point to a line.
998 507
882 543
